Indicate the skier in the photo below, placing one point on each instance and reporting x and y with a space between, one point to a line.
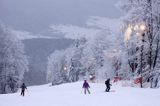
23 87
86 87
107 82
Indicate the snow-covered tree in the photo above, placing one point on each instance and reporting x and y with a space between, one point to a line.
95 51
143 19
57 68
13 62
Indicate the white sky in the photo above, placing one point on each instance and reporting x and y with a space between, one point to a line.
37 15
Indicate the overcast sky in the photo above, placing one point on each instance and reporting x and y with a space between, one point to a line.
37 15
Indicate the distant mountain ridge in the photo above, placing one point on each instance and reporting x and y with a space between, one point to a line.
38 51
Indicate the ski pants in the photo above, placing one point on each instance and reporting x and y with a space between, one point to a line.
23 92
108 89
86 90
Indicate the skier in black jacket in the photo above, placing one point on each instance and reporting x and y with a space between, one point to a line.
107 82
23 88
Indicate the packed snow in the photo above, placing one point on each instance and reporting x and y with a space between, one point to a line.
71 94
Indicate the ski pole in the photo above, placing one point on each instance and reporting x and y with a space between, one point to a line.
82 91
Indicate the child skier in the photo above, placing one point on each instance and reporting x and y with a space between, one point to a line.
107 82
86 87
23 87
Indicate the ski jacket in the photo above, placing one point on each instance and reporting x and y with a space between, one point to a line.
23 87
107 82
86 85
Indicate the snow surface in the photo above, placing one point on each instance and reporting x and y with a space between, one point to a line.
72 95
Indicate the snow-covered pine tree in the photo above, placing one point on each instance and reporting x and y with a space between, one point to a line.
13 62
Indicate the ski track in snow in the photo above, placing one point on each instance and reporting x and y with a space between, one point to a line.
72 95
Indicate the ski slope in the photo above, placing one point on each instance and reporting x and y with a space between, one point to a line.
72 95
